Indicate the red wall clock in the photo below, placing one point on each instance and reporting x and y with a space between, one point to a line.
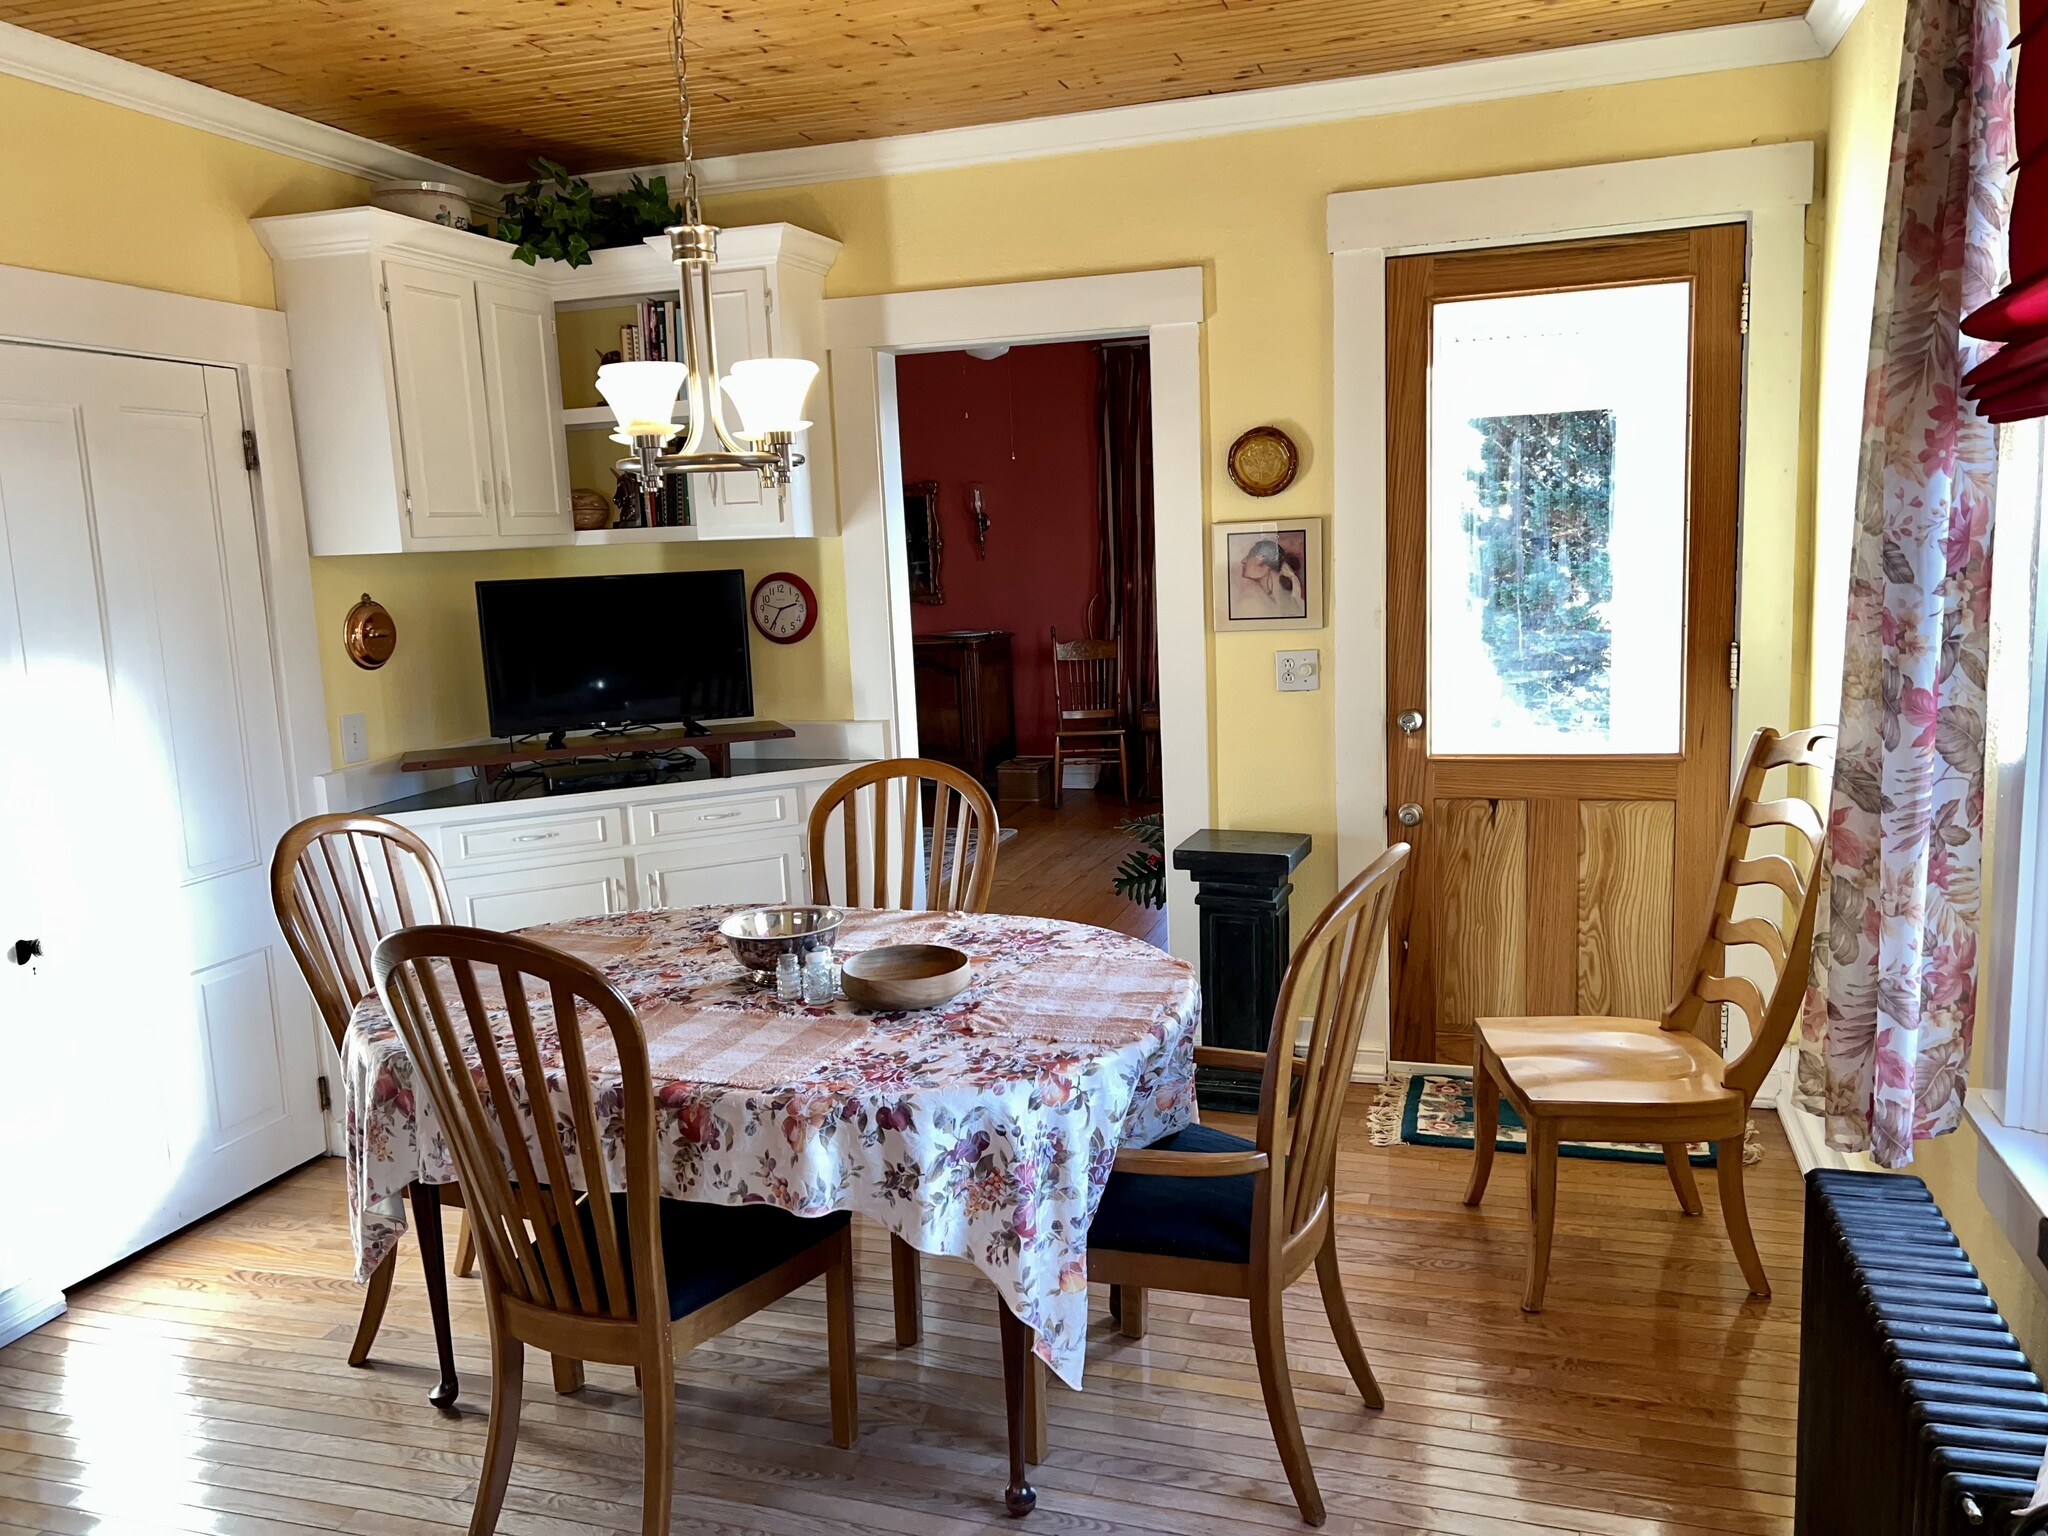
784 607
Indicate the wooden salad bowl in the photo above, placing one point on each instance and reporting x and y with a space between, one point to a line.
905 976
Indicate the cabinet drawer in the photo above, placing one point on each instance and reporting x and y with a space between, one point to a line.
667 820
766 871
529 837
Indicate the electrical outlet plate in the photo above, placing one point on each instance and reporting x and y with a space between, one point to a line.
355 739
1297 671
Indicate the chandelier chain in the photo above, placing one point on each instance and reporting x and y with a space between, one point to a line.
679 59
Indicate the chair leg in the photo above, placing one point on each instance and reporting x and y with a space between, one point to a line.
1037 1438
840 1345
1123 768
658 1471
568 1373
907 1277
1339 1309
1485 1127
1269 1343
1058 773
374 1301
508 1379
465 1248
1130 1315
1678 1160
1542 1211
1735 1211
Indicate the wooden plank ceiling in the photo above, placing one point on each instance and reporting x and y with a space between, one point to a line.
486 84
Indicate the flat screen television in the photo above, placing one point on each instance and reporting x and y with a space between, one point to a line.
572 653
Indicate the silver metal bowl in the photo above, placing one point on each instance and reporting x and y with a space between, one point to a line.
761 936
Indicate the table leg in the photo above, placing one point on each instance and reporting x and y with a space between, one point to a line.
426 1221
1020 1498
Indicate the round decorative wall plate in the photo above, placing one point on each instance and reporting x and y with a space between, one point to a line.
784 608
369 633
1262 462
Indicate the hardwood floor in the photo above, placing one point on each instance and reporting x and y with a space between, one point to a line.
1060 862
202 1387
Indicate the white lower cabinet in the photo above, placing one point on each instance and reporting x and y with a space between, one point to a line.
546 893
767 870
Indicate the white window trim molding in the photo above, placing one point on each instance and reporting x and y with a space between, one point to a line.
863 337
1766 187
54 309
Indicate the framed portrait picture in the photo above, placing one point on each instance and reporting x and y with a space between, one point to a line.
1268 575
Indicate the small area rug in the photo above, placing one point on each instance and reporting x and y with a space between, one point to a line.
1427 1110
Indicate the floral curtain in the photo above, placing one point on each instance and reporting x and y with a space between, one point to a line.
1885 1037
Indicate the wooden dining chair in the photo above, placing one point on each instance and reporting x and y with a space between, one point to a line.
1088 710
338 884
1209 1212
954 844
625 1278
1664 1080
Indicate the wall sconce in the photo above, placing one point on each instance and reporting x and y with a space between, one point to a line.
980 511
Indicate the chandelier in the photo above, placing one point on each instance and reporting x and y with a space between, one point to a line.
768 392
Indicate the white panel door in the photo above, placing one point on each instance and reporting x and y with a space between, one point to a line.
162 1047
734 504
553 893
523 390
443 423
767 872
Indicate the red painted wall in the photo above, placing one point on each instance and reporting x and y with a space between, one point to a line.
1023 427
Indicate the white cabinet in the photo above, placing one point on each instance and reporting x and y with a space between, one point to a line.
427 390
522 391
765 871
544 893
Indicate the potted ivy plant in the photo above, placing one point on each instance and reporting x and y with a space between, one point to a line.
560 217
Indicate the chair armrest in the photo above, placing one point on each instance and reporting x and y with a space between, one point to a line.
1241 1061
1191 1165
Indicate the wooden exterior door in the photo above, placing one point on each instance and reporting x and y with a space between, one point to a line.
1562 487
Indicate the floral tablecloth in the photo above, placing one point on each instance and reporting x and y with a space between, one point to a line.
983 1129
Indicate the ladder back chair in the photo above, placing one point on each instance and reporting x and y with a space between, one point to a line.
1212 1213
625 1278
1088 710
338 884
954 844
1665 1080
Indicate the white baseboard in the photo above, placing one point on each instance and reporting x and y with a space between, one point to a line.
1369 1065
23 1310
1808 1136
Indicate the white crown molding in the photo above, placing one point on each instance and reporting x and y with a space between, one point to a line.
68 67
32 56
1663 56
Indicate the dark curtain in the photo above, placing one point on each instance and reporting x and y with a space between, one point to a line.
1124 507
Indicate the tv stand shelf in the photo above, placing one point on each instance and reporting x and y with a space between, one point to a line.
494 757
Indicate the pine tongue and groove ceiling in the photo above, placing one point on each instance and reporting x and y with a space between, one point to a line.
485 85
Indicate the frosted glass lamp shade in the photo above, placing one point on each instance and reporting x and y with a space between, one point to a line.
769 392
642 396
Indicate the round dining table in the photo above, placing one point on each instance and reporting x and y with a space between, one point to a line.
984 1128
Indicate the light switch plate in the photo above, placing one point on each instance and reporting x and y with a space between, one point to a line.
355 739
1297 671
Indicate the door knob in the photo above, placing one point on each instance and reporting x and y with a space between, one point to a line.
1409 721
21 951
1409 815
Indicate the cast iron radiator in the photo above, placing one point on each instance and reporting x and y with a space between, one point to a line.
1918 1413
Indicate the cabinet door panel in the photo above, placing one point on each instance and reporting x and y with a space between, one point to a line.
523 389
735 503
551 893
767 871
437 367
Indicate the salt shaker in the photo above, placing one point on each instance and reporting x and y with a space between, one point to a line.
789 977
818 975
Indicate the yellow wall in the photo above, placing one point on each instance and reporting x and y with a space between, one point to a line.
1249 210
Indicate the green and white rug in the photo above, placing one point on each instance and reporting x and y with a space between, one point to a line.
1428 1110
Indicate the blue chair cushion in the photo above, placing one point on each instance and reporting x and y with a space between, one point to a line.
709 1251
1179 1217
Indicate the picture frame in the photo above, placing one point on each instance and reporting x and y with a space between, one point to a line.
1267 575
924 545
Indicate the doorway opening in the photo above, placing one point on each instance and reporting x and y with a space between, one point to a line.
1028 529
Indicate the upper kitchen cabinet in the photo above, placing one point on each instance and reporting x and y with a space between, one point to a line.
429 378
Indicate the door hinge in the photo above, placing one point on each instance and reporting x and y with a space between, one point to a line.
326 1096
249 460
408 501
1745 309
1734 663
384 293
